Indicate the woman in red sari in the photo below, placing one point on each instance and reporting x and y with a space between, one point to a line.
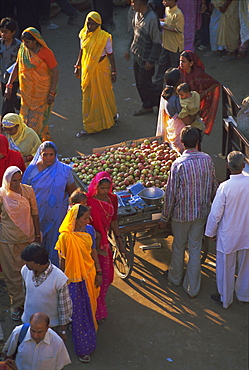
193 72
104 213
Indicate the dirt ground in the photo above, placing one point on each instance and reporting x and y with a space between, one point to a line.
150 325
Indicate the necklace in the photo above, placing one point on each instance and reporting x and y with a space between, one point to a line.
111 208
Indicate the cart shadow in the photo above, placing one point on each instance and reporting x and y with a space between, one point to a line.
150 283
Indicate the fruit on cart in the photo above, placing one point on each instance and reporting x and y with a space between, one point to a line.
148 163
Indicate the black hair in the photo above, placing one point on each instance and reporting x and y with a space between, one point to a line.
190 136
103 181
186 55
8 23
171 79
35 252
77 196
28 36
82 210
184 87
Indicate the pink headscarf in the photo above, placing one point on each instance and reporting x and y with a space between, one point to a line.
93 187
17 206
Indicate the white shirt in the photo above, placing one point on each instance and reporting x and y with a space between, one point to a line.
229 215
49 354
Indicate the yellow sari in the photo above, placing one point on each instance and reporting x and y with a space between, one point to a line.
75 248
35 81
98 100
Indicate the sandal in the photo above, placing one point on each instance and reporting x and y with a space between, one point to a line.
81 133
241 55
143 111
216 297
85 359
227 57
16 316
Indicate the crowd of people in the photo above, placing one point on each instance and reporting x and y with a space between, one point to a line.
54 237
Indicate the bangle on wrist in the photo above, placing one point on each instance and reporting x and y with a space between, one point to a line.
114 72
52 93
99 272
77 67
38 236
9 86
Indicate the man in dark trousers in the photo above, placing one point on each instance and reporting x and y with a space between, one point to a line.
146 49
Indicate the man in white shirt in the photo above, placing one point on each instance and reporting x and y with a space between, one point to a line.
228 224
40 349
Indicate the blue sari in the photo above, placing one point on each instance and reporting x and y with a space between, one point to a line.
52 199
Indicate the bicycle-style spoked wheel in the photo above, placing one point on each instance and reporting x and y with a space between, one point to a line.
122 265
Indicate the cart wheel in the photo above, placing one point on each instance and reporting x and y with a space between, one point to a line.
204 249
123 266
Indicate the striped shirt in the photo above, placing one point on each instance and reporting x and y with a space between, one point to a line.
190 188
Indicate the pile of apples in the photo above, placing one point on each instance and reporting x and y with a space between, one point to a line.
148 163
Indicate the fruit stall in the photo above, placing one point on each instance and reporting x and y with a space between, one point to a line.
139 171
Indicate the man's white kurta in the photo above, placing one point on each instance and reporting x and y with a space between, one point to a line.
229 215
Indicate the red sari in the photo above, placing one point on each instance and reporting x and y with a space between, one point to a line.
200 81
11 157
103 214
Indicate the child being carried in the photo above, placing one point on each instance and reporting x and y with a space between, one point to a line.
190 104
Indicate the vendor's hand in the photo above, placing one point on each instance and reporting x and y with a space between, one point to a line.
50 99
203 7
113 77
212 238
162 224
98 280
127 55
11 364
77 72
223 8
148 66
7 93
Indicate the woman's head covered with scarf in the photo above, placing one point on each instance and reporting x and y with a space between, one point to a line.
192 57
93 187
7 177
35 34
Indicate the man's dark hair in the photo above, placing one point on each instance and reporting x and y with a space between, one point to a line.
35 252
190 136
8 23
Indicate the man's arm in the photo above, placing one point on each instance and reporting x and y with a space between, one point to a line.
65 310
216 213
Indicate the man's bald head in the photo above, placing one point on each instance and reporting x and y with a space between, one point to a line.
39 318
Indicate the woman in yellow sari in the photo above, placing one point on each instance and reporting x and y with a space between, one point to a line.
79 260
20 136
37 72
96 66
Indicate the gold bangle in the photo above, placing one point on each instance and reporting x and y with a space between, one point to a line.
38 236
78 67
52 93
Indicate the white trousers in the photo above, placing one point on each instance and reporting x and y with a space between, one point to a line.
225 276
187 233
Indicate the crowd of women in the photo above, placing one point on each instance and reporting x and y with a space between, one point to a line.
34 207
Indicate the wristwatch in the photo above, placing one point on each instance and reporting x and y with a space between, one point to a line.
62 331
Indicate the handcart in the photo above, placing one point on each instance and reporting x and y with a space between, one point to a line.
133 220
